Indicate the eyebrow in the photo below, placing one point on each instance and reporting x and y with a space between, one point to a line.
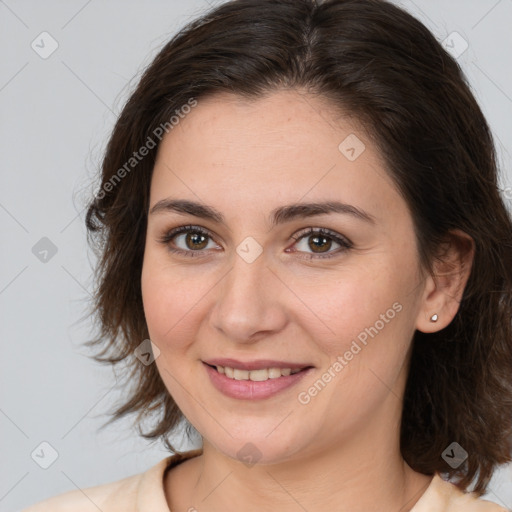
279 215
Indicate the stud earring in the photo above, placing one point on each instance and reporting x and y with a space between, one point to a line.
434 318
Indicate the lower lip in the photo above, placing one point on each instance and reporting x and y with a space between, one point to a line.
253 390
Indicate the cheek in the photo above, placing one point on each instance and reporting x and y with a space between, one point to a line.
371 321
168 300
348 304
379 325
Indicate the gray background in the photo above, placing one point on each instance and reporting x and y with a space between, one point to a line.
56 114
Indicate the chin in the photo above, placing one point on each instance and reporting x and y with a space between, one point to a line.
259 448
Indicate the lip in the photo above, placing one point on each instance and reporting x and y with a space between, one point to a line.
253 390
256 365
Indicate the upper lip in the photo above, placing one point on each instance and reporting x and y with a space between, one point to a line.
255 365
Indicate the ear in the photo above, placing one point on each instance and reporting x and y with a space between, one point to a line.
444 289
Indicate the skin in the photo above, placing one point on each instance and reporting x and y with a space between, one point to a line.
341 450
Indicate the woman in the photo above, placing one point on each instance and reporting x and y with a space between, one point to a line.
299 208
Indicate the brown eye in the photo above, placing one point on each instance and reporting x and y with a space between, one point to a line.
187 240
196 241
318 242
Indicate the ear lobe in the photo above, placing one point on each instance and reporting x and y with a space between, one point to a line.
444 290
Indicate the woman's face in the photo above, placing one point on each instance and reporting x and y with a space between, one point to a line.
251 283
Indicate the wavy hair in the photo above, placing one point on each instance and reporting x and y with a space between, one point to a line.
378 63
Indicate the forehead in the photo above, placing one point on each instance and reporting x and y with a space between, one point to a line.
286 145
284 120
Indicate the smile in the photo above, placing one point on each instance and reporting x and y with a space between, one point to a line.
265 381
256 375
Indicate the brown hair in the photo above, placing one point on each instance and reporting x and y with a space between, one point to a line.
383 66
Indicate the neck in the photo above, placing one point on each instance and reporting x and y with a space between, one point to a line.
353 477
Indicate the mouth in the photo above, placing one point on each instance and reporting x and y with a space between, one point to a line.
259 375
254 380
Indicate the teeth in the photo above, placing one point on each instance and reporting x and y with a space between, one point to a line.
256 375
241 374
274 373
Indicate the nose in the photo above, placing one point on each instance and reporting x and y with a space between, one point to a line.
248 305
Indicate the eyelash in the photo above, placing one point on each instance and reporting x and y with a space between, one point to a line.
342 241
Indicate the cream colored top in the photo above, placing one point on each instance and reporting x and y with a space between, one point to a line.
145 493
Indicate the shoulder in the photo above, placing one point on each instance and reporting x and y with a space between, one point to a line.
444 496
108 497
143 491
